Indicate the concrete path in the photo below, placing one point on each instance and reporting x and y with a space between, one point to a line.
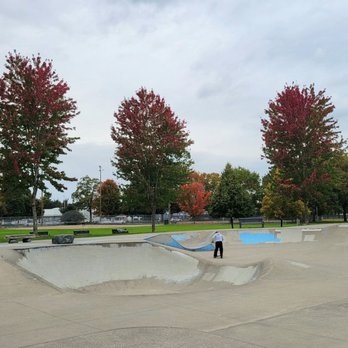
298 299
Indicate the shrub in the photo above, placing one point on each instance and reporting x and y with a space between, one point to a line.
72 217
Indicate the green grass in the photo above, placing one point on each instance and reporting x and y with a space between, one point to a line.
330 221
106 231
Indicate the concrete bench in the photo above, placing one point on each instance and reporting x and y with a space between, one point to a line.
63 239
26 238
119 231
255 220
81 232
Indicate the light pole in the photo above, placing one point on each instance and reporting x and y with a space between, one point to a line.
100 193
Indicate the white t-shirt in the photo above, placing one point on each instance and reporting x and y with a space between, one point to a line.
218 237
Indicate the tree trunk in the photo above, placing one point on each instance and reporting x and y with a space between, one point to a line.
41 208
305 218
344 213
153 209
33 206
153 219
90 214
231 220
33 198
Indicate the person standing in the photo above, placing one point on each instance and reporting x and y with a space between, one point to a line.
218 239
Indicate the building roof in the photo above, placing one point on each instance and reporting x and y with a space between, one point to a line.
52 212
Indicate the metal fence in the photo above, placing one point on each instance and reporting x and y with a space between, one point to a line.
134 219
112 220
23 221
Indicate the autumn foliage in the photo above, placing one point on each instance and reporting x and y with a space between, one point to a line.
34 123
151 148
193 198
301 139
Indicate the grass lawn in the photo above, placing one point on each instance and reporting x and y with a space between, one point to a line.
106 231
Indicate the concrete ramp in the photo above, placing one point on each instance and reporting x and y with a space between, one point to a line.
81 266
192 242
308 234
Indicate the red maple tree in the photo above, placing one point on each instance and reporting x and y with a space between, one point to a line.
34 123
301 139
194 198
152 149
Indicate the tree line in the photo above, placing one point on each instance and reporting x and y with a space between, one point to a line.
302 143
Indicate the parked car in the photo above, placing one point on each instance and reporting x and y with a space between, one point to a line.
174 220
121 219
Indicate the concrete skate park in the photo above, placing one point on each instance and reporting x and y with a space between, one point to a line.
145 291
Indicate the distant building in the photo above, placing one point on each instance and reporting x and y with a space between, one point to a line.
51 216
52 212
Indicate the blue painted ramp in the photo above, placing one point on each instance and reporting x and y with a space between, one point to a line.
256 238
174 241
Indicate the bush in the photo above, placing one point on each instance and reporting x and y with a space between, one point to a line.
72 217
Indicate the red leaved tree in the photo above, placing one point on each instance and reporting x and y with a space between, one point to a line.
152 149
301 140
194 198
35 116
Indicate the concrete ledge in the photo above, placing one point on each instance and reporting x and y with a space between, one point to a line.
312 229
119 231
63 239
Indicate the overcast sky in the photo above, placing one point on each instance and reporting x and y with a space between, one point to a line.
216 63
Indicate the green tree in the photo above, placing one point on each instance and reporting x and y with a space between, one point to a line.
84 194
152 149
211 181
107 198
16 203
237 195
49 203
134 200
35 116
277 201
15 195
67 207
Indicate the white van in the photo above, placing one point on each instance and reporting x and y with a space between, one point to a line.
121 219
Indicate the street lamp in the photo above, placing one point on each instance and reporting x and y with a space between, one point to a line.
100 193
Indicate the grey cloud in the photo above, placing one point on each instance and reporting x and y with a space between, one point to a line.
217 63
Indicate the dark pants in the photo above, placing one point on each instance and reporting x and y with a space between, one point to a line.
218 246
